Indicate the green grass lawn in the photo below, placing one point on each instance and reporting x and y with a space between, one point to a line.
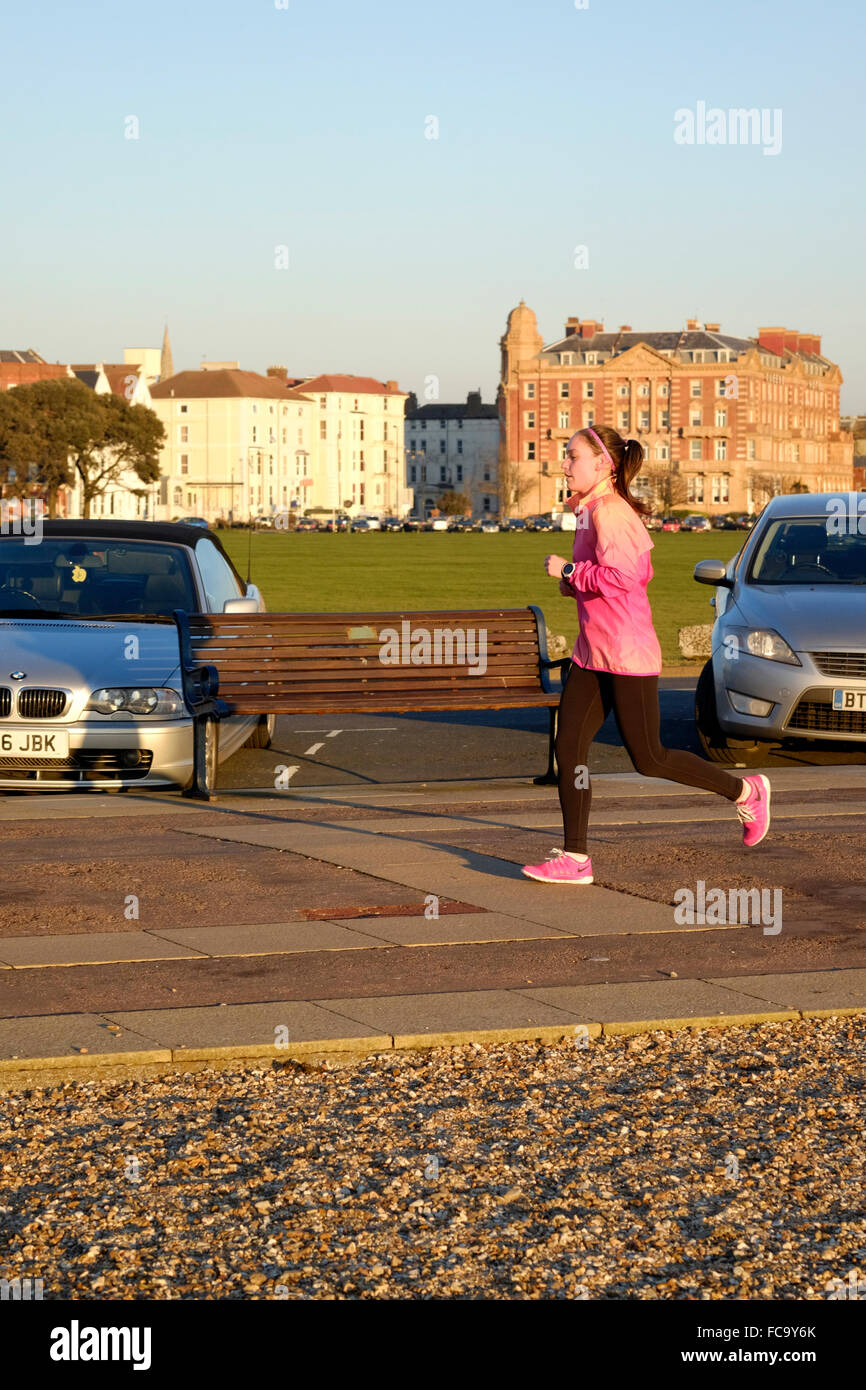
376 571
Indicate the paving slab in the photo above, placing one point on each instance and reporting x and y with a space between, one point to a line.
634 1008
490 1015
458 928
251 1028
816 993
98 948
275 938
78 1038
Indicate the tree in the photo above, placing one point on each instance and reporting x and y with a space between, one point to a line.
764 486
18 449
668 484
511 485
454 503
62 422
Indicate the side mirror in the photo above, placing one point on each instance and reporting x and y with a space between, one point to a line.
241 605
713 572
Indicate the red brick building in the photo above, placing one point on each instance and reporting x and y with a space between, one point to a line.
725 422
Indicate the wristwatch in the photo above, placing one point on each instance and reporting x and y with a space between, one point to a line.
568 570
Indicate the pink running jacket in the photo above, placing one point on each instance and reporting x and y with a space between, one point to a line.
612 554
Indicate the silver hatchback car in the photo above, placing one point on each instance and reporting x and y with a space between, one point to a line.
91 692
789 639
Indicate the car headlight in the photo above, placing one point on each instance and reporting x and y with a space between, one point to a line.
164 703
758 641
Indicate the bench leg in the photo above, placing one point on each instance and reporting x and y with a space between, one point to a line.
205 732
550 778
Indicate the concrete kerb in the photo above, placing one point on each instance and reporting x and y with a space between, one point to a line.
17 1073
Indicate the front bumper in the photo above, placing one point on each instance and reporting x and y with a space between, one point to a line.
107 755
802 700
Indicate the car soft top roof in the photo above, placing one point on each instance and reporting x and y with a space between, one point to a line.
129 531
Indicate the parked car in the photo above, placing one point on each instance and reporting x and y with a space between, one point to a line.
514 523
360 523
339 523
671 523
789 639
306 523
697 522
724 523
374 522
193 521
652 523
489 526
438 523
90 691
460 523
392 523
539 523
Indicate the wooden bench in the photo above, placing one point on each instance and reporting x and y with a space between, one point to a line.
342 663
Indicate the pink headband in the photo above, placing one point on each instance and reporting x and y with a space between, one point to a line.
603 449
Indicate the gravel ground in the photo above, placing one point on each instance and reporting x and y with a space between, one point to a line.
714 1164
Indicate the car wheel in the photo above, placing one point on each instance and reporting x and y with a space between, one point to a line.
715 743
211 759
263 734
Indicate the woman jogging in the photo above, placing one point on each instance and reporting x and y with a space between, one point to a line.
617 658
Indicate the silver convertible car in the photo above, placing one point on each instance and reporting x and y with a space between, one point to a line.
789 640
91 691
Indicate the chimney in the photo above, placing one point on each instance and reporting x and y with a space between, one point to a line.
772 340
391 386
792 340
810 344
473 402
712 327
625 328
277 371
693 325
590 327
572 326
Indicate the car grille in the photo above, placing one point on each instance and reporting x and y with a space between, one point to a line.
82 765
841 663
41 704
5 702
819 716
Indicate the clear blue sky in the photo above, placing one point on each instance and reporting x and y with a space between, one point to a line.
305 126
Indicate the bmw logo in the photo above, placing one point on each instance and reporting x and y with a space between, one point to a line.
17 675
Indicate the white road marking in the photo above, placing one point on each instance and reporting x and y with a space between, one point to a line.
334 732
363 729
313 748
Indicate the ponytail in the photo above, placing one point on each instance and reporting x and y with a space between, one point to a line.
627 457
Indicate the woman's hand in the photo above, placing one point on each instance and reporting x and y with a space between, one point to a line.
553 564
565 589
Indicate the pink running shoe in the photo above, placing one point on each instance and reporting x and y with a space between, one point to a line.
754 811
560 868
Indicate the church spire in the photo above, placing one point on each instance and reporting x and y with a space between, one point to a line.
166 366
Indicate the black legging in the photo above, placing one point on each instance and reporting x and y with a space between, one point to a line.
587 699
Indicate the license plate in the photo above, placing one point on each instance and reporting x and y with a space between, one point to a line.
849 699
35 743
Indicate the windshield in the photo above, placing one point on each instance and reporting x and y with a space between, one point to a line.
805 550
78 578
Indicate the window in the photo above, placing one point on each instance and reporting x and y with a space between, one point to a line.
696 487
323 429
361 463
255 409
441 425
564 419
623 420
460 446
285 432
423 424
529 391
361 430
720 488
184 409
622 389
720 386
442 446
664 419
566 358
721 417
217 575
530 451
662 451
696 449
442 472
460 472
178 496
564 390
663 389
355 406
589 389
694 415
423 472
413 474
694 388
254 434
643 420
588 418
643 388
184 463
750 448
184 434
530 419
361 494
323 401
721 449
591 359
